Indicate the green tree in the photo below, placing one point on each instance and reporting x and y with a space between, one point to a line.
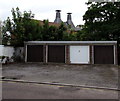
102 21
0 32
45 30
61 31
22 28
6 28
53 33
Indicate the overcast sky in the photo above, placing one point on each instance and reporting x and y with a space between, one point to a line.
45 9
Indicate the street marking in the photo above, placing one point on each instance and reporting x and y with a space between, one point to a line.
59 85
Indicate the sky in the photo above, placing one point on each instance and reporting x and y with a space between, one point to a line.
45 9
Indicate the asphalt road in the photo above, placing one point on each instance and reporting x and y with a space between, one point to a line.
12 90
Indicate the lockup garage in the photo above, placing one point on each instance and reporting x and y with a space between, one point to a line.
71 52
104 54
56 53
34 53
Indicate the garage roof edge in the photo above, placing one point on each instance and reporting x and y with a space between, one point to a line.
71 42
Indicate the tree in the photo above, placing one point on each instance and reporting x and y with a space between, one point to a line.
102 21
53 33
61 31
22 28
45 30
0 32
5 31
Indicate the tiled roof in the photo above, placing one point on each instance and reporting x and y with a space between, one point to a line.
51 24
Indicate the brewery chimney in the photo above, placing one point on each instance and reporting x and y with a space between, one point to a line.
69 20
58 17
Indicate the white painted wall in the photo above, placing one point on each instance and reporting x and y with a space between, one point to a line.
8 51
1 50
79 54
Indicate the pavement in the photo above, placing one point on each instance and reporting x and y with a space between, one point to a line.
93 76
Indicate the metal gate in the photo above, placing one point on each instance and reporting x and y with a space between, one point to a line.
34 53
56 53
103 54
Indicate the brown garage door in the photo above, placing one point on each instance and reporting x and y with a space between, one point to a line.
103 55
34 53
56 53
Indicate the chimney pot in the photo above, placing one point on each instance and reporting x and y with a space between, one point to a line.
69 20
69 16
58 17
58 10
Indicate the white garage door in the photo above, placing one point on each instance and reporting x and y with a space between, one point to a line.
79 54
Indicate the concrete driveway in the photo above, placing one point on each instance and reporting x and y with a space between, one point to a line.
87 75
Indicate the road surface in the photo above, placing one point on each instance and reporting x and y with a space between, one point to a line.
13 90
